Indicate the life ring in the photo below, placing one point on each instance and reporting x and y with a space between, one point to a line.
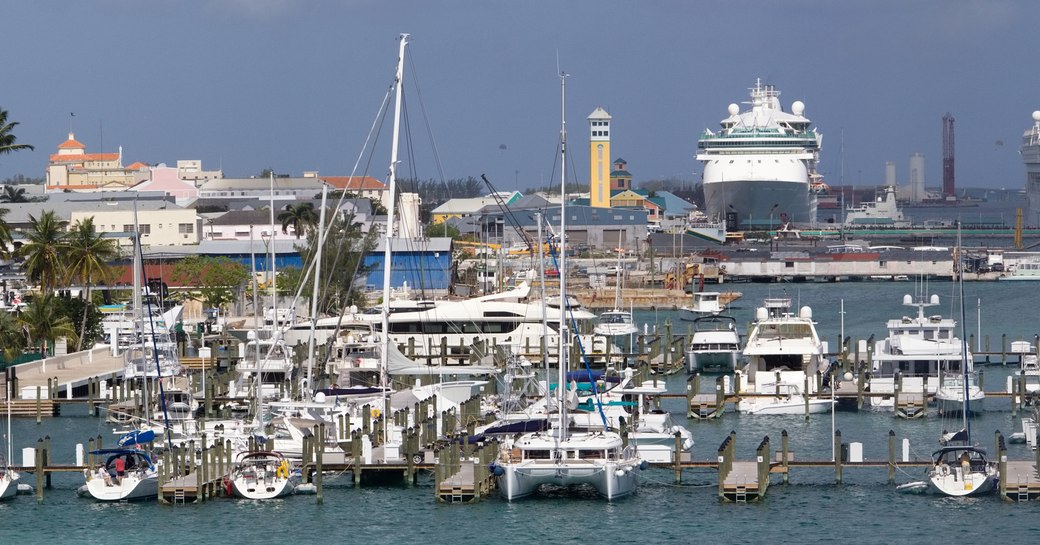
283 470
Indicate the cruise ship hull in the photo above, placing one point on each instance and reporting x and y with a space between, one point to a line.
756 202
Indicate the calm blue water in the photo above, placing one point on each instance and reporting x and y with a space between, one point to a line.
812 509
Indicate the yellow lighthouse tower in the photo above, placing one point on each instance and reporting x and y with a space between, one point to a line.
599 158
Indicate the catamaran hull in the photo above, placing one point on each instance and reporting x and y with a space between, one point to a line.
718 362
611 480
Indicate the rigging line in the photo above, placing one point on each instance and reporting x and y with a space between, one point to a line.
425 117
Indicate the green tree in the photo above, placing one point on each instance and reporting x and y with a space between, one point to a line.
443 229
13 194
5 235
8 141
289 279
12 336
44 252
44 322
216 279
341 263
87 262
301 216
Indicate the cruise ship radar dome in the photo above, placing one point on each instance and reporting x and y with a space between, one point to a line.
1036 115
908 299
798 107
805 313
734 109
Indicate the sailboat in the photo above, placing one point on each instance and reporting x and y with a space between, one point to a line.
260 475
127 472
8 477
560 456
616 322
960 468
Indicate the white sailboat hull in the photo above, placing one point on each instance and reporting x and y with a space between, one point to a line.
954 481
784 406
8 484
130 488
262 488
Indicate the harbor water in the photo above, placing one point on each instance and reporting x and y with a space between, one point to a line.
811 509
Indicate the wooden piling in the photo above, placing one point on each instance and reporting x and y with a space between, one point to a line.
39 468
319 451
891 457
837 456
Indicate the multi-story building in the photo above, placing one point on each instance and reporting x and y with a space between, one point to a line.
73 169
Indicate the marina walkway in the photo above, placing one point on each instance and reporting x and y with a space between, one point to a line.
66 372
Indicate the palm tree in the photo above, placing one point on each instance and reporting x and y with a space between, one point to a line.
301 216
44 323
44 263
13 194
7 138
87 261
5 235
12 336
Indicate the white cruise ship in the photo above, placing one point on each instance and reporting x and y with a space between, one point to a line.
1031 157
758 168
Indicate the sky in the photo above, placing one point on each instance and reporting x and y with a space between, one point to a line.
296 85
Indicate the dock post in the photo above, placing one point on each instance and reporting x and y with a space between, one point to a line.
677 459
982 379
691 391
47 459
898 387
90 395
319 448
1013 393
355 450
720 396
891 457
90 454
860 378
837 456
1003 349
785 454
39 469
805 396
38 392
763 454
1001 464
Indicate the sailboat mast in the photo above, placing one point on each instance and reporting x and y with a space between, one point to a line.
320 236
564 334
274 272
387 254
964 338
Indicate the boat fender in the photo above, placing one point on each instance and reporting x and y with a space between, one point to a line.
644 464
227 486
283 470
357 362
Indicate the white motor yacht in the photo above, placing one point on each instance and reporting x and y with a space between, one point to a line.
784 344
913 354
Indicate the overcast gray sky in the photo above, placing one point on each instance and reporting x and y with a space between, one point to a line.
294 85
